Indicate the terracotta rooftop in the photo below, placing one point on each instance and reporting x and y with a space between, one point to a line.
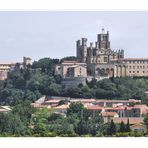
69 61
7 63
118 108
137 125
52 101
96 107
141 105
53 105
121 101
61 107
132 120
83 100
73 62
131 59
111 114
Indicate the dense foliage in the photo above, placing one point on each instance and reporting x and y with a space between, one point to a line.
24 120
24 86
39 79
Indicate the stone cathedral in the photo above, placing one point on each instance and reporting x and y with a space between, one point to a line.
104 62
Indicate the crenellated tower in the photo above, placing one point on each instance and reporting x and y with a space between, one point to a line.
103 40
81 50
100 53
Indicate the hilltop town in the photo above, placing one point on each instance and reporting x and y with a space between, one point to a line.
97 93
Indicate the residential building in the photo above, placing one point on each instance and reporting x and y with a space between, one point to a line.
132 120
138 127
72 72
7 67
108 116
111 103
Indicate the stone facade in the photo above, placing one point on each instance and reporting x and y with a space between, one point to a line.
139 128
132 67
71 69
73 81
6 67
72 72
102 61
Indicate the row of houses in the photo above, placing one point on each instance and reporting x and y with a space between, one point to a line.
116 110
120 107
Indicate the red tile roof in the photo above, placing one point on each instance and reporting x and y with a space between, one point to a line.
141 106
53 105
62 107
68 61
121 101
107 114
132 120
131 59
83 100
95 107
52 101
138 125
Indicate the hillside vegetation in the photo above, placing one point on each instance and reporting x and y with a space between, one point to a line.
39 79
24 86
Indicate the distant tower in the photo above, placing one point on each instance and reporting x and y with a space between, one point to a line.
120 54
103 40
81 50
27 61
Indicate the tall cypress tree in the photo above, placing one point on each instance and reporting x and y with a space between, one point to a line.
112 128
122 127
128 126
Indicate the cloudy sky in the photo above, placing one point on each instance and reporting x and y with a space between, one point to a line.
53 34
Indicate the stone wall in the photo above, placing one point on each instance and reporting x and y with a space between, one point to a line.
73 82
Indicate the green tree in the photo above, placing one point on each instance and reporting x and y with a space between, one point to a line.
75 108
24 111
11 125
146 121
39 121
122 127
69 58
128 126
74 92
17 79
111 129
54 89
82 128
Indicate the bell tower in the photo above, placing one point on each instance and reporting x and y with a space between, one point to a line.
103 40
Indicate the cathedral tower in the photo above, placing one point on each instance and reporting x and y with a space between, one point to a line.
82 50
103 40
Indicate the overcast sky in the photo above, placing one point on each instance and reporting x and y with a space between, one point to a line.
53 34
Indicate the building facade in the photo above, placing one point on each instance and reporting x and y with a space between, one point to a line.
6 67
102 61
71 69
72 72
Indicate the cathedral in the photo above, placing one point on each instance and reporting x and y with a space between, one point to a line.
103 62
